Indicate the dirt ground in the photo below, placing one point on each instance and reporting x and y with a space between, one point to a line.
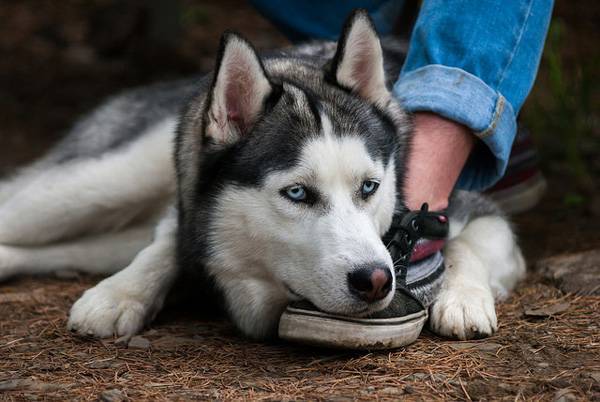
58 59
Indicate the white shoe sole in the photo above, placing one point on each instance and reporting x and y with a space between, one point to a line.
321 329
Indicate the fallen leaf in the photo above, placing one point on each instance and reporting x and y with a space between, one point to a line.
27 383
391 391
481 346
101 364
173 342
573 273
138 342
564 395
547 311
112 395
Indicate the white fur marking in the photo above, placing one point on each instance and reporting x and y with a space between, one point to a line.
93 195
256 255
482 260
122 304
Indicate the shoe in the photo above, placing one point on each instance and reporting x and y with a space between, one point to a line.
523 185
415 241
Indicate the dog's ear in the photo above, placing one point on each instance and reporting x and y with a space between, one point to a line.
238 93
358 61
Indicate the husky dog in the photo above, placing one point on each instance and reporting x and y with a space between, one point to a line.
268 181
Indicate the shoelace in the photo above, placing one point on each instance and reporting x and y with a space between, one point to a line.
407 229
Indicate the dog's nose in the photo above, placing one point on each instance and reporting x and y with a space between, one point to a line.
370 283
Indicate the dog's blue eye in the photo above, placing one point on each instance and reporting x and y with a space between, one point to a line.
368 188
296 193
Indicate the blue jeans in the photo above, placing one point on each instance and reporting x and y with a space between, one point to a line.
471 61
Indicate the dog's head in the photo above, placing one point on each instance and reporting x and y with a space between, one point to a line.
290 170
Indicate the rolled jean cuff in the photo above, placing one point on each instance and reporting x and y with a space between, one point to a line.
462 97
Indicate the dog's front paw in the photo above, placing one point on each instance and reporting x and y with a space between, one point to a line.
108 310
464 312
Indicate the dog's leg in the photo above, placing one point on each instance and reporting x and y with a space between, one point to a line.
255 305
10 185
122 304
97 254
483 261
91 195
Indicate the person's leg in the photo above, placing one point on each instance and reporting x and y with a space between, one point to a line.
464 64
439 142
440 148
302 20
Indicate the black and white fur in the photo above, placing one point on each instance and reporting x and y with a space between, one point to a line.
120 192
